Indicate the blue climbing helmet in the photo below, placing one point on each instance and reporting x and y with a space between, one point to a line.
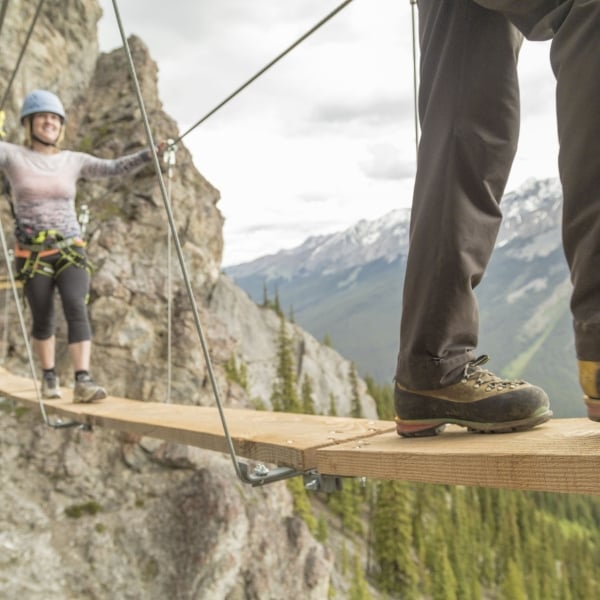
42 101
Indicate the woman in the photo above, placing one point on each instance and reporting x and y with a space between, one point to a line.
49 250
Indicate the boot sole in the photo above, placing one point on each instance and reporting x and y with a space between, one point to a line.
431 427
593 408
99 394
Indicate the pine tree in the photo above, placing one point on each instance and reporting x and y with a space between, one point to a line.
277 303
384 398
443 579
307 398
347 504
332 407
392 540
513 586
358 587
284 393
355 406
302 507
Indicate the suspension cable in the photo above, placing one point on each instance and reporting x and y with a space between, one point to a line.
171 221
240 468
265 68
413 3
14 73
170 160
3 13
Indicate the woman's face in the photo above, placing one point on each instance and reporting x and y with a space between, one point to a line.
46 126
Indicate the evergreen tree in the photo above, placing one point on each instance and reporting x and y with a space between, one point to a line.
442 578
277 303
347 504
392 533
332 407
284 393
307 396
513 587
358 587
327 340
384 398
355 406
302 507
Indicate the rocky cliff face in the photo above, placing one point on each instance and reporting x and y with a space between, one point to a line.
101 515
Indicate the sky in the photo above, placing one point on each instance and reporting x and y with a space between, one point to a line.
326 137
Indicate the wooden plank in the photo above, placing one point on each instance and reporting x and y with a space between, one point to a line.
562 455
283 439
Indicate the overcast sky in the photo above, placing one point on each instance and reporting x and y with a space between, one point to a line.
323 139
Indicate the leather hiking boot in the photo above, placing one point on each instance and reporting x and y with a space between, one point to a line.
589 379
480 401
50 387
86 390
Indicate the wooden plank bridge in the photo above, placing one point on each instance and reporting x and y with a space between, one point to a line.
562 455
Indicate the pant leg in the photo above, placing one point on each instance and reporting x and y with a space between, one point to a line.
39 291
575 57
73 286
574 26
469 111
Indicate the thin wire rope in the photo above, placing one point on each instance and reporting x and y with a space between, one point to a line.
177 244
6 303
3 13
169 157
23 48
23 326
413 3
264 69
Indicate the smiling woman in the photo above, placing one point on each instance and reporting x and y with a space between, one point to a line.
49 251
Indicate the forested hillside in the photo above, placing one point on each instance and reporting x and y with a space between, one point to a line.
446 542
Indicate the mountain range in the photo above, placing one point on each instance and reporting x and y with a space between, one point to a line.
346 288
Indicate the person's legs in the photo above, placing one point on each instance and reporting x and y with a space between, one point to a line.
73 285
575 57
574 27
469 110
39 291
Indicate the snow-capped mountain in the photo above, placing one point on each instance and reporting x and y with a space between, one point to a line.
347 287
534 207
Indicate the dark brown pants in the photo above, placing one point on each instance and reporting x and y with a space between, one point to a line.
469 111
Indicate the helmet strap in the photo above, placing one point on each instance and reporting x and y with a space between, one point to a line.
37 139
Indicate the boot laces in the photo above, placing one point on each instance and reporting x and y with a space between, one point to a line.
479 377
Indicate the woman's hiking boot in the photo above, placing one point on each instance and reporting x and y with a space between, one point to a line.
50 386
87 390
589 379
480 401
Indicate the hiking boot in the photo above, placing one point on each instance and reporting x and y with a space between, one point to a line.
86 390
589 379
50 386
480 401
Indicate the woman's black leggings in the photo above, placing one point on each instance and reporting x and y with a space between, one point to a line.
73 285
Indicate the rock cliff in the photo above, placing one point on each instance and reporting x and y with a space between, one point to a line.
101 515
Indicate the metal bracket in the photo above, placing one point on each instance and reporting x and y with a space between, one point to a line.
314 481
60 424
261 474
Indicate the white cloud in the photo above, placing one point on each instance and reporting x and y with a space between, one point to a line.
332 121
